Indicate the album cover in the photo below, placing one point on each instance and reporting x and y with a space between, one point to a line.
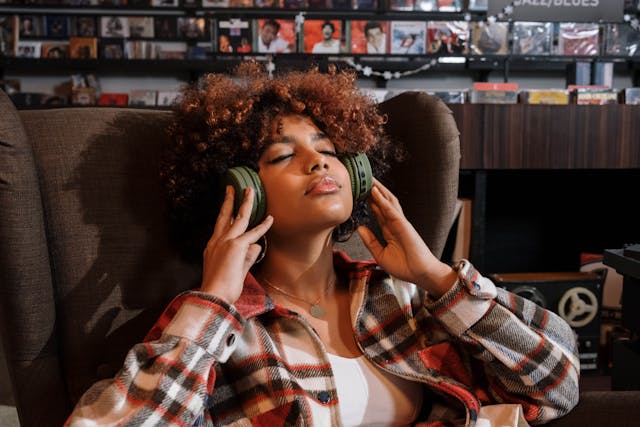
190 3
545 96
8 35
405 5
112 2
426 5
478 5
342 4
293 4
83 47
54 50
215 3
265 3
171 50
28 49
449 5
139 3
141 27
114 26
111 49
165 27
489 39
113 99
276 36
319 4
194 28
202 51
369 37
142 98
83 26
631 95
83 96
366 4
324 36
167 98
165 3
532 38
56 26
448 37
234 35
621 40
578 39
141 49
31 26
241 3
408 37
450 96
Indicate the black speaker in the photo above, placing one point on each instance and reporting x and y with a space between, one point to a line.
241 177
575 296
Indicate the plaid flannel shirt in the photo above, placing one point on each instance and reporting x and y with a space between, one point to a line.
255 363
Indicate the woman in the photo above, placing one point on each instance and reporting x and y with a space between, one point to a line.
285 330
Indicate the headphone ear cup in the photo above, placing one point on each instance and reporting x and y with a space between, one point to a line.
360 174
240 178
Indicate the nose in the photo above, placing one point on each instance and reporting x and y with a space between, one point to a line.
317 161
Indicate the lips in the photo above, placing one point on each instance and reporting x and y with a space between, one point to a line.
323 185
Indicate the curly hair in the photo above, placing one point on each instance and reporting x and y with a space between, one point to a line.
223 121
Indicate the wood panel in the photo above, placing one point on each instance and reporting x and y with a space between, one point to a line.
522 136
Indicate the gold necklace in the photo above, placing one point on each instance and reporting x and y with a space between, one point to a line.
314 307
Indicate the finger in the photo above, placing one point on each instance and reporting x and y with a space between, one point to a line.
371 242
387 207
387 194
224 216
241 220
259 230
252 255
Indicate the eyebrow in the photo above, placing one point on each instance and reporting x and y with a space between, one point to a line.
285 139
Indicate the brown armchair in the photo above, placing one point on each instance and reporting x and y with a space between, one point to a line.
85 264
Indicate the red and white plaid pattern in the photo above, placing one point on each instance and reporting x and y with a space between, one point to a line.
206 363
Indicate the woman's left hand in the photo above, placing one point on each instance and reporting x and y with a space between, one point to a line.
405 256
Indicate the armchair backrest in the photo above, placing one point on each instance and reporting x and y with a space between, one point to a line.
85 262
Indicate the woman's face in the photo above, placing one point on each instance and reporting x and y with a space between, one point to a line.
307 187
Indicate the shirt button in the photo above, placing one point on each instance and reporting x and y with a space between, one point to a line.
324 397
231 339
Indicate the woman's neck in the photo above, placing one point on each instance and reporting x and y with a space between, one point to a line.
304 269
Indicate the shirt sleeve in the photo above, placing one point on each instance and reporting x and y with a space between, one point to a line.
526 354
166 379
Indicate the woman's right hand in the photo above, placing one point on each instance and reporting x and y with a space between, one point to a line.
232 249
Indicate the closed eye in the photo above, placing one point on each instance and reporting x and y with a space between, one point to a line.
280 158
330 153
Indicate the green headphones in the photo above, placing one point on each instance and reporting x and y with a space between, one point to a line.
241 177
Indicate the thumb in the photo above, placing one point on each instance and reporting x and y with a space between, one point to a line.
370 241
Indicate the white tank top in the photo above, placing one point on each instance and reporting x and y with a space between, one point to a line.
370 396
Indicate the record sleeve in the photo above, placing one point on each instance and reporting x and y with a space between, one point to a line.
83 26
369 37
324 36
426 5
621 40
294 4
405 5
165 3
113 99
193 28
28 49
578 39
83 47
54 50
142 98
171 50
114 26
532 38
365 4
276 36
165 27
449 5
489 39
448 37
266 3
166 98
478 5
141 27
235 35
8 35
215 3
408 37
31 26
240 3
57 26
111 49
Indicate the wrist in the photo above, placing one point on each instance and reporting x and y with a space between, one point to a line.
439 279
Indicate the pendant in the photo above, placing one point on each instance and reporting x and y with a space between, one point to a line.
316 311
